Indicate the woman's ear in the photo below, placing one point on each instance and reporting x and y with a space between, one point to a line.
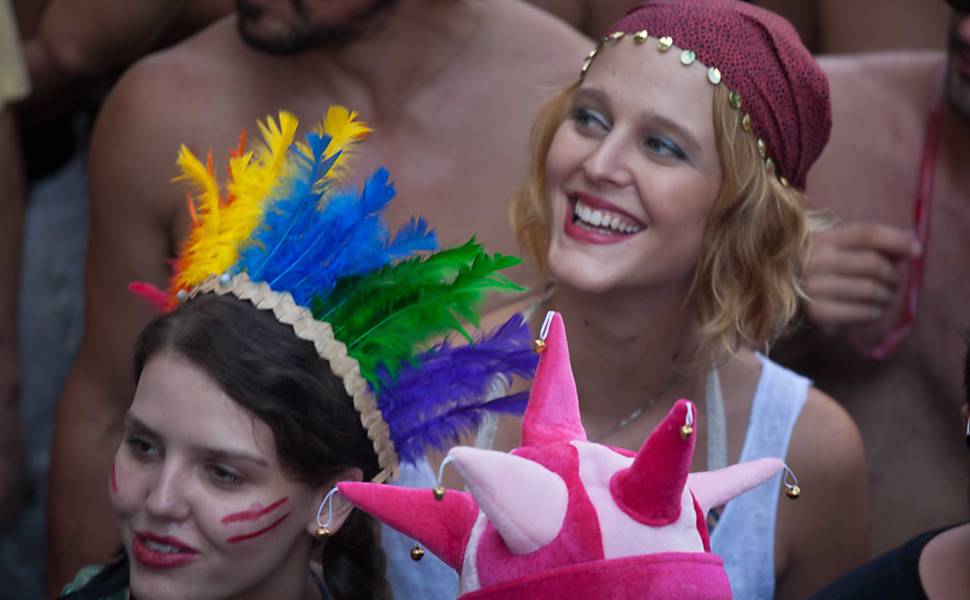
333 510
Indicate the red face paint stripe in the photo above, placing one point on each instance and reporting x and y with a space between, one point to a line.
248 536
114 482
252 514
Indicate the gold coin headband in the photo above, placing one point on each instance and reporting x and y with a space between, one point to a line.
688 58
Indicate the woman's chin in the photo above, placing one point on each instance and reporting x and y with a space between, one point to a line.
583 276
145 589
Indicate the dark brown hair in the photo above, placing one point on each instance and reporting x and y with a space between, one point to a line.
280 379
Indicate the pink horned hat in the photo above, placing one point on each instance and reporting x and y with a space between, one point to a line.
560 513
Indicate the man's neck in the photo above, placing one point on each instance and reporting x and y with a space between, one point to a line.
403 52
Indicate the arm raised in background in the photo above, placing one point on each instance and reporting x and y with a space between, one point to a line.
89 37
130 237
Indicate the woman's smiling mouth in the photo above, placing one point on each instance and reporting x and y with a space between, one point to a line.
596 220
161 551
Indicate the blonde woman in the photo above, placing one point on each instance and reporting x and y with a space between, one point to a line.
666 206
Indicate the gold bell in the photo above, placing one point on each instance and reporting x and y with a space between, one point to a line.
686 431
439 493
321 533
538 345
792 491
417 553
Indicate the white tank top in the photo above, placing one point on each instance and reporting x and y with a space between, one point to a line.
745 534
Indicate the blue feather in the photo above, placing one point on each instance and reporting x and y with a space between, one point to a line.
301 200
412 237
289 215
339 219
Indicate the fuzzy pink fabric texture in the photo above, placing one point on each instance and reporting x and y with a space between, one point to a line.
561 514
760 56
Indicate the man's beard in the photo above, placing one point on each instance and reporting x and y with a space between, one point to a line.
301 33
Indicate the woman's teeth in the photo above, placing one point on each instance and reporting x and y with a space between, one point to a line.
157 547
601 219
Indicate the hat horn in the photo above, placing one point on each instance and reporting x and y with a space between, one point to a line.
650 489
552 414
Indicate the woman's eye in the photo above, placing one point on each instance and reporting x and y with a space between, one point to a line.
664 147
141 448
587 118
223 476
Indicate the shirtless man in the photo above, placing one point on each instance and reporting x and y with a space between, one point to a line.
451 89
867 179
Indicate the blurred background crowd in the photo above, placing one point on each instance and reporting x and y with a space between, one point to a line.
96 96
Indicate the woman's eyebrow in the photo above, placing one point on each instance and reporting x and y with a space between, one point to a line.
133 423
136 425
669 124
592 93
230 454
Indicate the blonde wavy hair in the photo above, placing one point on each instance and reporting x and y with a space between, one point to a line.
746 286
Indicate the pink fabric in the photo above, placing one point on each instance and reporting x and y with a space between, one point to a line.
553 411
650 490
578 541
490 475
443 526
623 534
715 488
761 57
600 550
667 576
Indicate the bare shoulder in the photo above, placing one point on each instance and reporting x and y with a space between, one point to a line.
826 446
827 455
203 67
893 85
188 94
846 69
879 103
943 564
543 47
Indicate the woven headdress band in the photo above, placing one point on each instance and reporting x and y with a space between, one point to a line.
285 238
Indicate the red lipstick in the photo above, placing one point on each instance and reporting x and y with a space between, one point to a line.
145 551
599 203
590 236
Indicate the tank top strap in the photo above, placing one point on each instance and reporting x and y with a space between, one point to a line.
745 534
778 400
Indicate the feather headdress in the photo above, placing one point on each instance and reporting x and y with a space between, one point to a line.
285 235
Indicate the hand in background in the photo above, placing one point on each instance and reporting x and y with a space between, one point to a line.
855 274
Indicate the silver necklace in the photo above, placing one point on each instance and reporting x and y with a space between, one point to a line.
633 416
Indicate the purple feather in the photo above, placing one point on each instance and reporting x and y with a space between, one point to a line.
448 429
447 382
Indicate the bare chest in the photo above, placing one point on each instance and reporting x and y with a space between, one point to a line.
926 369
452 161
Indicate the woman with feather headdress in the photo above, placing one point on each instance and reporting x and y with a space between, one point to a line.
299 345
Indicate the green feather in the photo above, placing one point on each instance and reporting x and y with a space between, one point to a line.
391 313
354 297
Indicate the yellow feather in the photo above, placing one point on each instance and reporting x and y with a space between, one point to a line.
202 250
220 227
344 131
254 175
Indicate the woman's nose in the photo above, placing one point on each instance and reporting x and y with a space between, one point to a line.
166 497
608 162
